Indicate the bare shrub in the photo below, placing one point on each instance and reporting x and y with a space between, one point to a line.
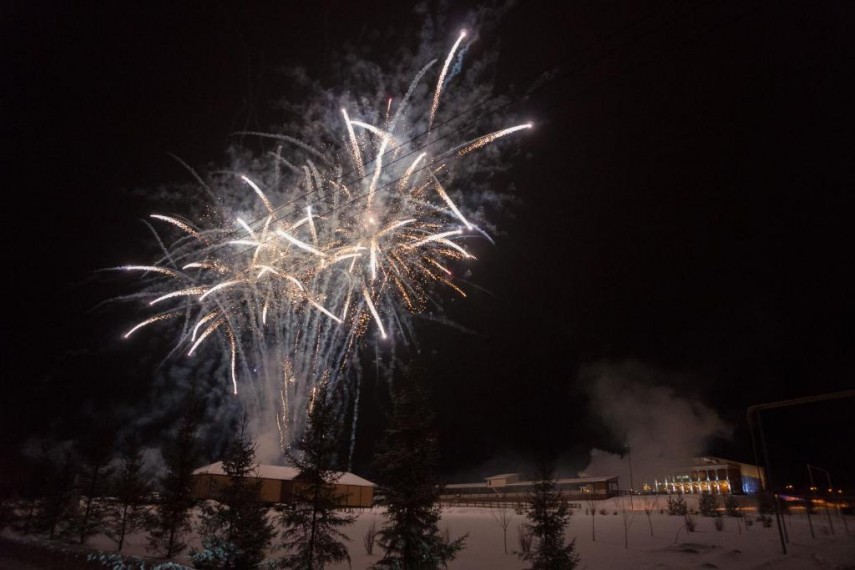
503 514
690 522
368 540
628 515
649 504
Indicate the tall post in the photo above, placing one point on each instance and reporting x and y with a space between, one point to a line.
809 504
766 482
754 410
631 487
812 484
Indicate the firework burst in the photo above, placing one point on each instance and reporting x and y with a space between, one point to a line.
336 244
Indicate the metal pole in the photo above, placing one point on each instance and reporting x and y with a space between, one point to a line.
836 502
809 505
769 482
780 404
629 456
812 484
827 501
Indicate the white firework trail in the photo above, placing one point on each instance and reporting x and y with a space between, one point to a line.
319 259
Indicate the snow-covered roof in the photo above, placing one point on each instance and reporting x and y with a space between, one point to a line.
573 481
517 484
464 485
593 479
283 473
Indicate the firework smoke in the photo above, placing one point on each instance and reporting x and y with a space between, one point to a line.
310 248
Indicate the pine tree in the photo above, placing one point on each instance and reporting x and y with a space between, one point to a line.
93 479
36 473
236 531
130 489
311 535
409 487
59 500
549 514
170 521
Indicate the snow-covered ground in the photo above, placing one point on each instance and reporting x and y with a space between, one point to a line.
754 547
671 546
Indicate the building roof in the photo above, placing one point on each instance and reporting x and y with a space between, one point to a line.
579 480
712 461
283 473
592 479
467 486
503 476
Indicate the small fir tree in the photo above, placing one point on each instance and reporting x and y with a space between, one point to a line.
93 480
236 530
130 489
38 471
677 505
311 533
549 514
707 504
60 500
732 506
409 487
170 521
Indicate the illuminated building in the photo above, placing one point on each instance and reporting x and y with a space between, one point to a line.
713 475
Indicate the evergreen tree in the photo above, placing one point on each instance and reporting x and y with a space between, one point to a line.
311 535
409 487
93 479
37 474
130 489
236 531
732 506
549 514
707 504
677 505
170 521
60 493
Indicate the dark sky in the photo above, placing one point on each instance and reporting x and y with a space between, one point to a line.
684 204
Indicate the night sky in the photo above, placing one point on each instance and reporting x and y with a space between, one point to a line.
683 211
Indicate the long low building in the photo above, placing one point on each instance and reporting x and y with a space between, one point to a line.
278 484
509 488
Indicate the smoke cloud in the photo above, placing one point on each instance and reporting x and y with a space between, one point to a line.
659 429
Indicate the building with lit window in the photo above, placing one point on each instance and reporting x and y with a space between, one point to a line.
508 488
713 475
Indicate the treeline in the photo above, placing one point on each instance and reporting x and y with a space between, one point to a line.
72 492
